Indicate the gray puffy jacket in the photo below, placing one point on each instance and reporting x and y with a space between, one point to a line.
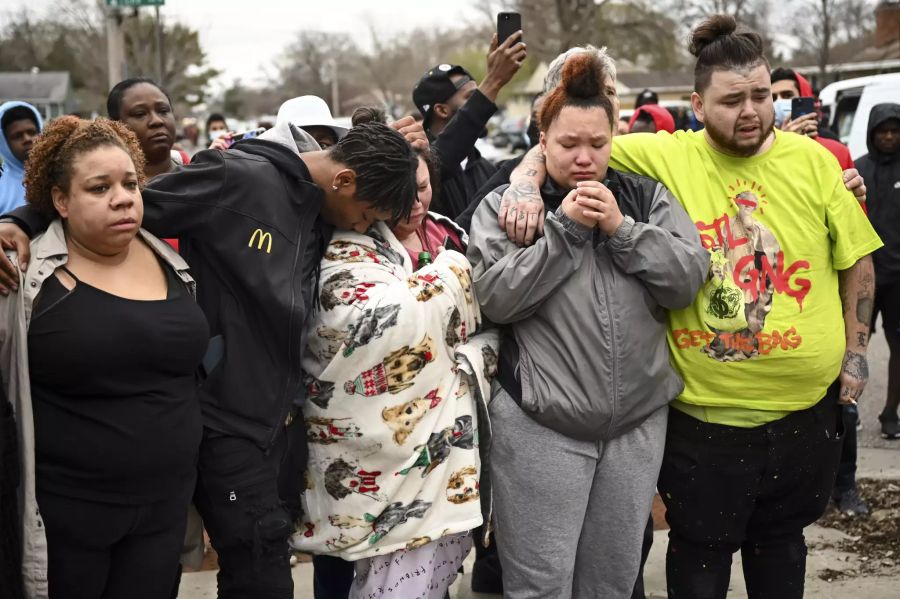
588 312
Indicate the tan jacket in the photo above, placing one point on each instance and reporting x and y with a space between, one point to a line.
48 253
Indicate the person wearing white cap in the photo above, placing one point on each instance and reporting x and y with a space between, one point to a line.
311 114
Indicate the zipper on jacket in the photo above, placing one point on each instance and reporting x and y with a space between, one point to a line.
612 348
294 363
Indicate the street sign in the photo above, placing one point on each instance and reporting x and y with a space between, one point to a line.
125 3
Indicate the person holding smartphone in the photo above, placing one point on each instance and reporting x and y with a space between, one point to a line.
455 111
789 87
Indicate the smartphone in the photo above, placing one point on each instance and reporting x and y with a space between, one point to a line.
507 24
449 244
246 135
802 106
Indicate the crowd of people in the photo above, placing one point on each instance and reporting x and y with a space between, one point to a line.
373 345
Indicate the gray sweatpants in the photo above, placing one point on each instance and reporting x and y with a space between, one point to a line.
570 515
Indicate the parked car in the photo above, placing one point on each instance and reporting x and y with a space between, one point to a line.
847 104
512 134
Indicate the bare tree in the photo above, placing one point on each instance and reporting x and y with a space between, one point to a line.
855 19
554 26
72 38
312 61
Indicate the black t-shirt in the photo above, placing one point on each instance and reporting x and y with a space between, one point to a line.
114 390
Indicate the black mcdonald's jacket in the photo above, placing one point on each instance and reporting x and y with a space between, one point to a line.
249 219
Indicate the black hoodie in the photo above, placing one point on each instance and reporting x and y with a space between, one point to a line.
250 218
882 175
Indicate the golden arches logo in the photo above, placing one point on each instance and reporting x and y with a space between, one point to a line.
264 239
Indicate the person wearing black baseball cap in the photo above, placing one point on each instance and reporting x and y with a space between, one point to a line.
648 96
456 110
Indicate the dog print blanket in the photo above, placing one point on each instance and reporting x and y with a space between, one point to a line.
396 364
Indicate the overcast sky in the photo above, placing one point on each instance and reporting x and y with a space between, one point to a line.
241 37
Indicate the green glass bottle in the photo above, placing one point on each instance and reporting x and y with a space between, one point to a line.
424 259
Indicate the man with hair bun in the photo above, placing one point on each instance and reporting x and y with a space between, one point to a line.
755 438
579 415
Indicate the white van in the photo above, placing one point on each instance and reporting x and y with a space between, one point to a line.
849 102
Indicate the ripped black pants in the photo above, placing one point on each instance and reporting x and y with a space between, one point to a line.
749 489
249 501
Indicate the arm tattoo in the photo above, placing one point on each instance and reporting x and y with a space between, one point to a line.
864 306
535 159
862 339
864 299
856 366
530 172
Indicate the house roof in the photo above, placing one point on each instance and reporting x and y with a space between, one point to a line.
627 81
658 81
51 87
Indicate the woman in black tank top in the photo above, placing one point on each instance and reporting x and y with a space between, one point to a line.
114 341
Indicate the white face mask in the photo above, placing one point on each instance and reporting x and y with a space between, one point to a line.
782 110
214 135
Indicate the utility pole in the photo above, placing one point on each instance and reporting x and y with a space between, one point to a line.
335 101
159 50
115 46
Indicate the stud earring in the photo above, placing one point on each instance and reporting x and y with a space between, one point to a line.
334 188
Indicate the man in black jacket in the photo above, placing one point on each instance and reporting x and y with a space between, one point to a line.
881 170
456 111
257 219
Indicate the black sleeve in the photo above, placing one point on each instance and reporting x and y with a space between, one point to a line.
178 204
29 220
458 138
501 177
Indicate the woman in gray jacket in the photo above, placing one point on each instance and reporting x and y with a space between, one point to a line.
99 348
580 413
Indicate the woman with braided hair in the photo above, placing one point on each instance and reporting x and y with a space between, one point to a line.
100 346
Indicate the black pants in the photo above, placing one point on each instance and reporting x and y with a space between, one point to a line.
846 474
249 500
10 547
332 577
728 488
109 551
887 303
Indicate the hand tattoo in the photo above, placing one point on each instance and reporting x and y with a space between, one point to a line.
862 339
522 191
856 366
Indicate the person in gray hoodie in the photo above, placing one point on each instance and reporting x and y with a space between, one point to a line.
579 409
881 170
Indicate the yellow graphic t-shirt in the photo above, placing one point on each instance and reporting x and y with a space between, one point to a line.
766 331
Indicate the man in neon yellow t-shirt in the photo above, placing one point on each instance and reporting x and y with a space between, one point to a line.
776 339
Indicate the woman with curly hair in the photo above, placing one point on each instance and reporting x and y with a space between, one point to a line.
98 351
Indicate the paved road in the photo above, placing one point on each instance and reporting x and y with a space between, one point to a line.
872 402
